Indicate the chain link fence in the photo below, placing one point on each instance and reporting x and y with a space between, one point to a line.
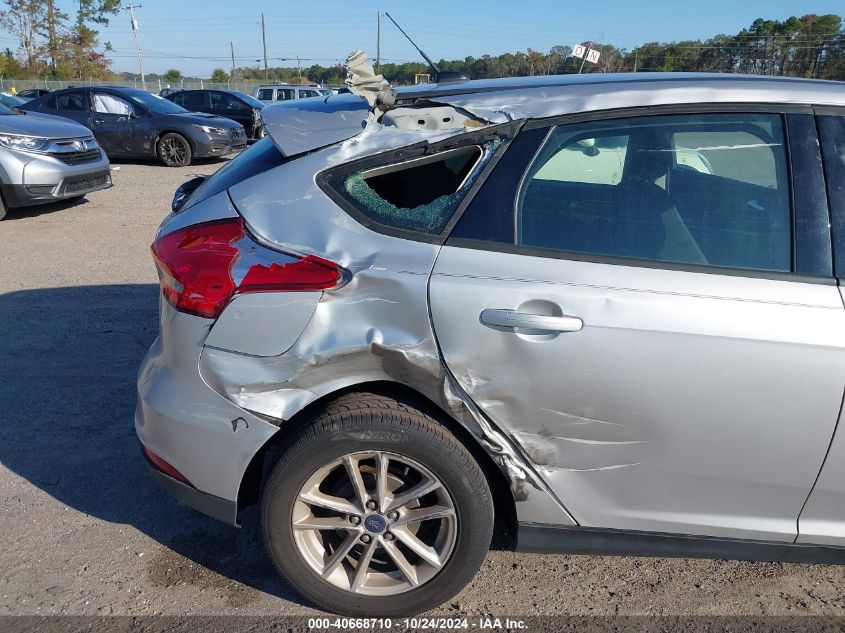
152 85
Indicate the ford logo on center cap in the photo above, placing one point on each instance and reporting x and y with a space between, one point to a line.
375 523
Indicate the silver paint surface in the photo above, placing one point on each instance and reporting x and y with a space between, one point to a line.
689 402
177 412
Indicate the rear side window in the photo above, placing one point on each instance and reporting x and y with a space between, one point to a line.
710 190
419 194
832 132
285 94
75 101
265 94
194 100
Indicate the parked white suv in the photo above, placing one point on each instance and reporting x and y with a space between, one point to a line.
268 93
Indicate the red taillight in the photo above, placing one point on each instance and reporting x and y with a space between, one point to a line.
202 266
161 465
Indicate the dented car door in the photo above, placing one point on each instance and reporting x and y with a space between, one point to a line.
645 337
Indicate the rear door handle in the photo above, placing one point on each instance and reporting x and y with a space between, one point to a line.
513 319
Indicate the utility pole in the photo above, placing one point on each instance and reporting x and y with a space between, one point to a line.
264 39
232 48
51 34
636 58
131 8
378 41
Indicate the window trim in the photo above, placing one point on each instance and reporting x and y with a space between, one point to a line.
835 111
503 131
812 274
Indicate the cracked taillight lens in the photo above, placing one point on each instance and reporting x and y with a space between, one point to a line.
201 267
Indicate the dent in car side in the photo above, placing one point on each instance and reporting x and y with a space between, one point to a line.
386 333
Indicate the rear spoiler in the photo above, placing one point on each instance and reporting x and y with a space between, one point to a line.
303 125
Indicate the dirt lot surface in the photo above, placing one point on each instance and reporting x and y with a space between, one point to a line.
83 530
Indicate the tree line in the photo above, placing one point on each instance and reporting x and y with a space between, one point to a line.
809 46
53 43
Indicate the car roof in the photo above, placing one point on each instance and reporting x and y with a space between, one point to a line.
499 100
592 79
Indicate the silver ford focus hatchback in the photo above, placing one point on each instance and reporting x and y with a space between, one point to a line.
585 314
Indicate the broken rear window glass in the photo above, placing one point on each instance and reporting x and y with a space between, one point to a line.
420 194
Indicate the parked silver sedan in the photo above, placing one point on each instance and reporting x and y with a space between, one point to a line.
47 158
591 314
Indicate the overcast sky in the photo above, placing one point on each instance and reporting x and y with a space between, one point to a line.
194 35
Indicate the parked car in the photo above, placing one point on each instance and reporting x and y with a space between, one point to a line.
10 100
32 93
270 93
46 159
134 123
231 104
444 338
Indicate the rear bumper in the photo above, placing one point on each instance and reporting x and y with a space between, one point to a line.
215 507
205 437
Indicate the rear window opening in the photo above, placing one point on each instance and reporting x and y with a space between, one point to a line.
419 194
423 180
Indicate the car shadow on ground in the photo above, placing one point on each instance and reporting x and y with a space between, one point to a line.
68 361
19 213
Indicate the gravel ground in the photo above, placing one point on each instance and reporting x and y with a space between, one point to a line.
84 531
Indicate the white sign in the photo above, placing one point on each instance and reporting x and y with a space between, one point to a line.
579 50
593 56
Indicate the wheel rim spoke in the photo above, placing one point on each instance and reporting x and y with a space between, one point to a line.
363 564
401 562
419 548
423 514
382 462
322 523
340 553
414 492
354 471
338 504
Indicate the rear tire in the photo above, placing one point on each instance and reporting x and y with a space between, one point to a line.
174 150
412 563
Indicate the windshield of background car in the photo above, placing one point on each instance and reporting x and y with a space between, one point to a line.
258 158
250 100
154 103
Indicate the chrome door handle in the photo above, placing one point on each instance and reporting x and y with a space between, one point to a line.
513 319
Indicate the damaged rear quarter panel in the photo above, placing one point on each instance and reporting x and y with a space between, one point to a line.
375 328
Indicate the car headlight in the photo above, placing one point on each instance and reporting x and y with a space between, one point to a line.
210 129
25 143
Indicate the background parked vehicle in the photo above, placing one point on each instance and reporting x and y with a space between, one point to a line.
231 104
32 93
133 123
45 159
269 93
11 100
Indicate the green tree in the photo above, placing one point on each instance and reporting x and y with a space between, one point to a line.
172 75
26 20
219 76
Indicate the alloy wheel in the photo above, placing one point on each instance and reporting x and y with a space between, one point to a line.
374 523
